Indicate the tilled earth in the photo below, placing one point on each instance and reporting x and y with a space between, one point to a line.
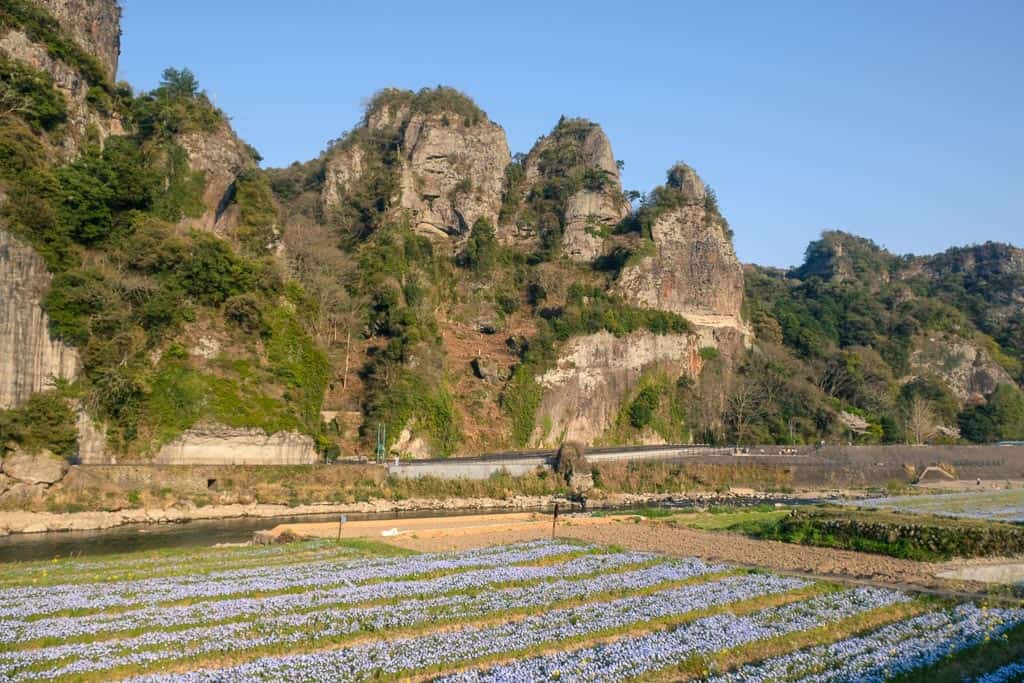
655 536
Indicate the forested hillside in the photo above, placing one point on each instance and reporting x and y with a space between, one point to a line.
419 278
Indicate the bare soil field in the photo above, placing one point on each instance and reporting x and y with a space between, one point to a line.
432 535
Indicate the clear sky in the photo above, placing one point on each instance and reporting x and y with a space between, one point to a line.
903 124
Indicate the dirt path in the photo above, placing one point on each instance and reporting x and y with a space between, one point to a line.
474 531
661 537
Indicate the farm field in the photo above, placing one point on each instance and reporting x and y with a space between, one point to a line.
1004 506
537 611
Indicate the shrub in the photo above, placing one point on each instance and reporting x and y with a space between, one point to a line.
243 311
45 420
481 252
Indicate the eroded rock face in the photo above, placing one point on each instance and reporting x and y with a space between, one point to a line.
451 172
694 270
29 358
595 373
94 24
411 445
40 468
221 156
92 442
967 369
219 445
69 82
592 212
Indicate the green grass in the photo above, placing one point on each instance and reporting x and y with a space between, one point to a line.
749 522
972 662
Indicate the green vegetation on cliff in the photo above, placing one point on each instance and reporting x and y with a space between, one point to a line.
132 286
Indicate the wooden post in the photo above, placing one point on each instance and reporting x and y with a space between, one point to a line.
554 520
341 520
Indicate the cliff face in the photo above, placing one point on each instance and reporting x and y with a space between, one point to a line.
967 369
93 24
693 270
221 156
452 175
578 153
29 358
450 166
217 445
83 117
596 373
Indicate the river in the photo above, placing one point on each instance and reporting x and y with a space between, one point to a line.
136 537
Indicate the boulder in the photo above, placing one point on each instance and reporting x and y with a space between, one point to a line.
21 495
5 483
490 371
411 444
40 468
574 468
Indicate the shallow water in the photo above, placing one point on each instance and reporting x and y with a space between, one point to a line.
135 537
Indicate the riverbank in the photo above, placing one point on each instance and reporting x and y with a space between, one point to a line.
24 522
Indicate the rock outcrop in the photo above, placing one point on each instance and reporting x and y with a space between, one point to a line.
83 117
450 166
580 151
39 468
594 374
966 368
94 24
221 156
29 358
693 270
219 445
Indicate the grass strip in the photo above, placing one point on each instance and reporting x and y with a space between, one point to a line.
610 635
700 667
974 661
119 609
313 607
322 645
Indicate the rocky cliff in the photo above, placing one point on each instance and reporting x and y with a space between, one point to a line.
690 266
595 374
93 24
83 117
578 154
222 157
963 365
450 161
29 358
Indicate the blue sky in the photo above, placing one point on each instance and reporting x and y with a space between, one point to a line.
903 124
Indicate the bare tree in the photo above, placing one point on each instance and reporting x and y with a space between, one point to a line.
745 404
920 420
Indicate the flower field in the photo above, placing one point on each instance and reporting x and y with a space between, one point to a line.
1001 506
538 611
